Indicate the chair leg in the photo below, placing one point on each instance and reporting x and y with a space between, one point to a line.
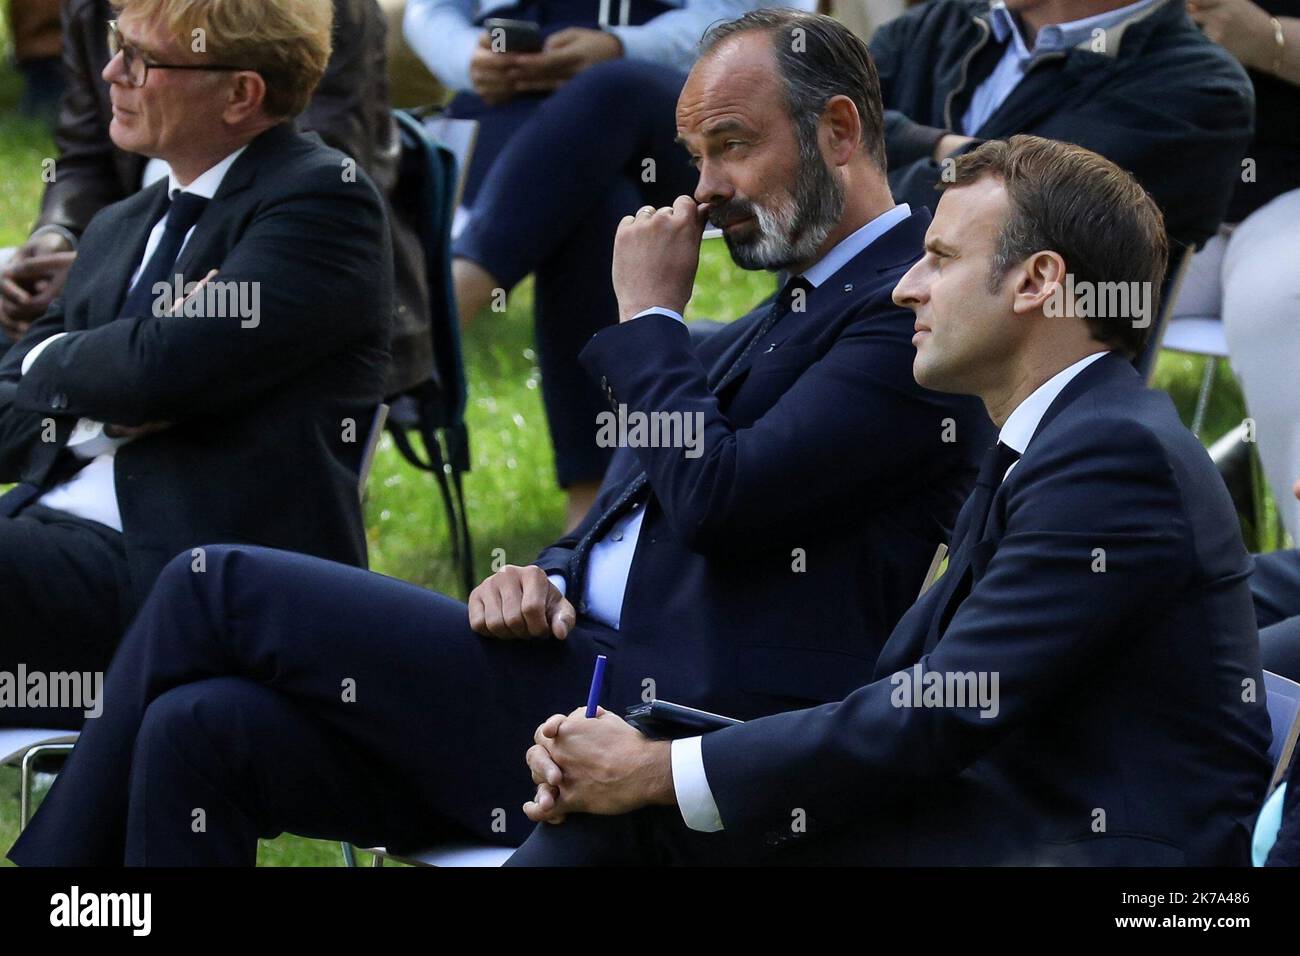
1203 396
25 780
349 855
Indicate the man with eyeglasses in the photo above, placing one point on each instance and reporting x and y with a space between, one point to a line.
349 109
211 368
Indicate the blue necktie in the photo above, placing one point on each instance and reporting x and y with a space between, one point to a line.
183 213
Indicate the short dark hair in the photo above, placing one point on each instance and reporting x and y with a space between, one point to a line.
1071 201
823 59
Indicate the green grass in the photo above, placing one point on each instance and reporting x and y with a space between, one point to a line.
513 502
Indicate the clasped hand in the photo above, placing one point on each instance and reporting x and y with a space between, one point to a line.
598 764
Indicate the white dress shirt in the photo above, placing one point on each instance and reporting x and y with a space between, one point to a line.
694 797
92 492
611 557
1018 58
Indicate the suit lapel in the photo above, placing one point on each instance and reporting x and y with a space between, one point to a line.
135 236
974 548
899 246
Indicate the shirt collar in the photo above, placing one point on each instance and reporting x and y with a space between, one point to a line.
1059 36
852 244
1023 422
207 184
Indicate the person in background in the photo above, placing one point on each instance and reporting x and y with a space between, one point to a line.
37 36
570 140
1133 81
1246 274
349 110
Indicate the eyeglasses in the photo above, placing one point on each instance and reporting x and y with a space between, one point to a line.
137 67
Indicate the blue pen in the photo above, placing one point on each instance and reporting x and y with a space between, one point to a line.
597 685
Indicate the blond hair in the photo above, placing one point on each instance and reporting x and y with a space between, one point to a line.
286 41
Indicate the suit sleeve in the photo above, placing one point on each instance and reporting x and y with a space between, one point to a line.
1041 619
309 261
778 474
21 428
673 37
443 35
86 178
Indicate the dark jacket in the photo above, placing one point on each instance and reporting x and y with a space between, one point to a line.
1162 101
349 110
259 449
770 569
1109 595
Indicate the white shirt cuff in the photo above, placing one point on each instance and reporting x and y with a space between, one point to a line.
694 798
657 310
40 347
560 583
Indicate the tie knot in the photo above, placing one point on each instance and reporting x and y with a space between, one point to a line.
185 210
999 458
794 293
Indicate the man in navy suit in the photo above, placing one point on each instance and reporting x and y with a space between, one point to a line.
754 565
142 417
1082 686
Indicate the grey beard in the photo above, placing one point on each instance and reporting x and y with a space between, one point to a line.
791 229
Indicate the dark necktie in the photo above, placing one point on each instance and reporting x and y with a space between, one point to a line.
182 214
969 531
637 489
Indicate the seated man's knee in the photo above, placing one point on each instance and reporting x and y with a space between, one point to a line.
613 87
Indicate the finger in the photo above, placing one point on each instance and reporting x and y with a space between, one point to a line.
560 39
477 616
545 806
493 619
40 266
512 608
686 207
12 291
532 604
563 619
549 729
543 766
645 212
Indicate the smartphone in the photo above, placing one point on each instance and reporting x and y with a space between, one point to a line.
513 36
